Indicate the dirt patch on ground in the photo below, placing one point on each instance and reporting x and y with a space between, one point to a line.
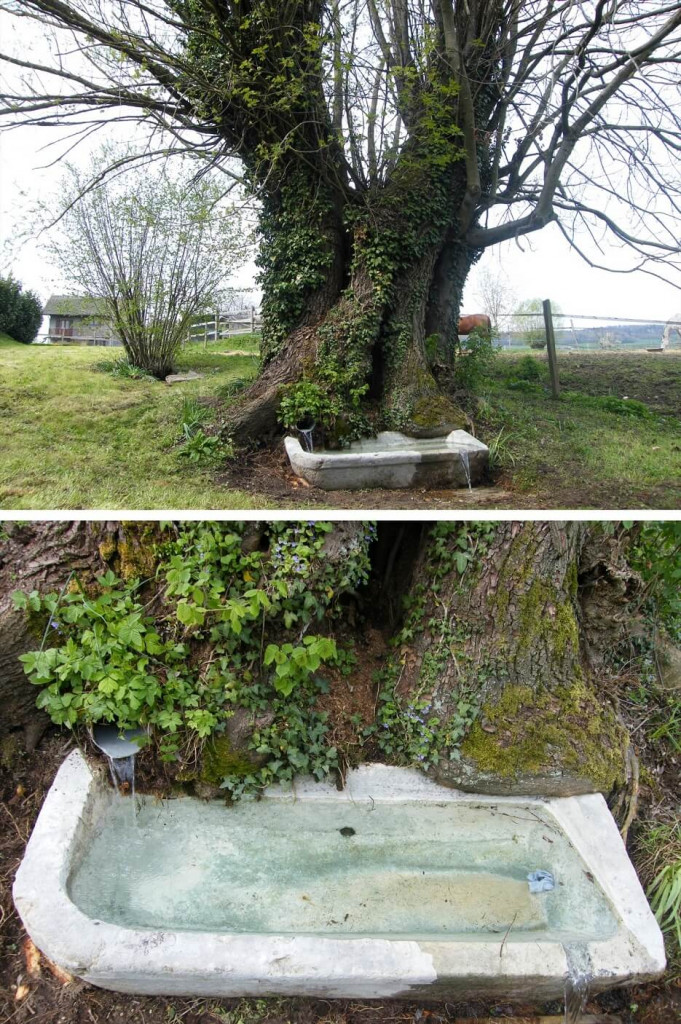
267 473
24 780
653 378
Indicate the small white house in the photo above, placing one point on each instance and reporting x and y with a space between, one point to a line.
79 320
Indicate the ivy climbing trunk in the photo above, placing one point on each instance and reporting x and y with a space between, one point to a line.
498 679
47 556
501 646
361 300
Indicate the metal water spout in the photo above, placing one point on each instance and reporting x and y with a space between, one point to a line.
306 428
121 747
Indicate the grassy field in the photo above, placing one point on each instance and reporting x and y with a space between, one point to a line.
612 439
76 438
79 438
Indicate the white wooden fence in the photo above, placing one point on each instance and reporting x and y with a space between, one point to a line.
225 325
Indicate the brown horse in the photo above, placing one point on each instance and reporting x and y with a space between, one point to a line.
474 322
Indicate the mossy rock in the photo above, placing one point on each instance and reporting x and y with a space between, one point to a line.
435 416
529 743
220 759
230 753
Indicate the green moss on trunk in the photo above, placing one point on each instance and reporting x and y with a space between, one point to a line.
541 732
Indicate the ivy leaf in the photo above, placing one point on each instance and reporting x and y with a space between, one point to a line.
270 653
462 559
190 614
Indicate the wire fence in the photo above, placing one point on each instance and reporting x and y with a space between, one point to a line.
539 330
580 332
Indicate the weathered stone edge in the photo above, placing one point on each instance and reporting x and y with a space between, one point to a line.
166 962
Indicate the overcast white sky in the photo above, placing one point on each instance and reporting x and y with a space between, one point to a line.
538 266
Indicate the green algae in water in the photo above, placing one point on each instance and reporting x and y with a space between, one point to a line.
407 871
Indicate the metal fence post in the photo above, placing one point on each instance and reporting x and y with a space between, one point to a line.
551 348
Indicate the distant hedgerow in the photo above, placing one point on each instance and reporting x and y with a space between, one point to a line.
20 312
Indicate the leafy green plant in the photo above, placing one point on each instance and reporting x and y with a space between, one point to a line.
475 360
293 665
657 850
232 631
122 368
108 663
665 899
658 558
196 445
530 387
628 407
500 451
206 449
527 368
625 407
192 414
306 401
294 743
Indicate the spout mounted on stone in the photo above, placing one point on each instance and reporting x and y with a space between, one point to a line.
121 746
117 743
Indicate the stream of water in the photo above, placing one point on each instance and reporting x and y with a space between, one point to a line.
576 982
307 439
123 772
465 462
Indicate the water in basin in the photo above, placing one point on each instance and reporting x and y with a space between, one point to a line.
279 867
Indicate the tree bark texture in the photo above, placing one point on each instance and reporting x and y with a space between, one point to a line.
370 289
519 635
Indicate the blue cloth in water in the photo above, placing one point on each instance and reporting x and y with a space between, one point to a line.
541 881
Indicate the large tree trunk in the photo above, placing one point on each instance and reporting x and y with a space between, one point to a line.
506 643
444 300
368 311
521 635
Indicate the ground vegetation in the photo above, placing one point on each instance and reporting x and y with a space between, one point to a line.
387 146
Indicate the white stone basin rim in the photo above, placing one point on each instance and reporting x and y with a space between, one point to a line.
180 962
393 460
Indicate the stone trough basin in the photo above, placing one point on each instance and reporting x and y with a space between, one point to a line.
393 460
393 887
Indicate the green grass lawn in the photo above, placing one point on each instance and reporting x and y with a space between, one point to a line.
75 438
612 439
79 438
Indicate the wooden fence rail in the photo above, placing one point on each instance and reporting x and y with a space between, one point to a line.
224 325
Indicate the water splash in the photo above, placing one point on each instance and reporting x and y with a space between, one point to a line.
123 774
307 438
121 749
465 462
576 982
